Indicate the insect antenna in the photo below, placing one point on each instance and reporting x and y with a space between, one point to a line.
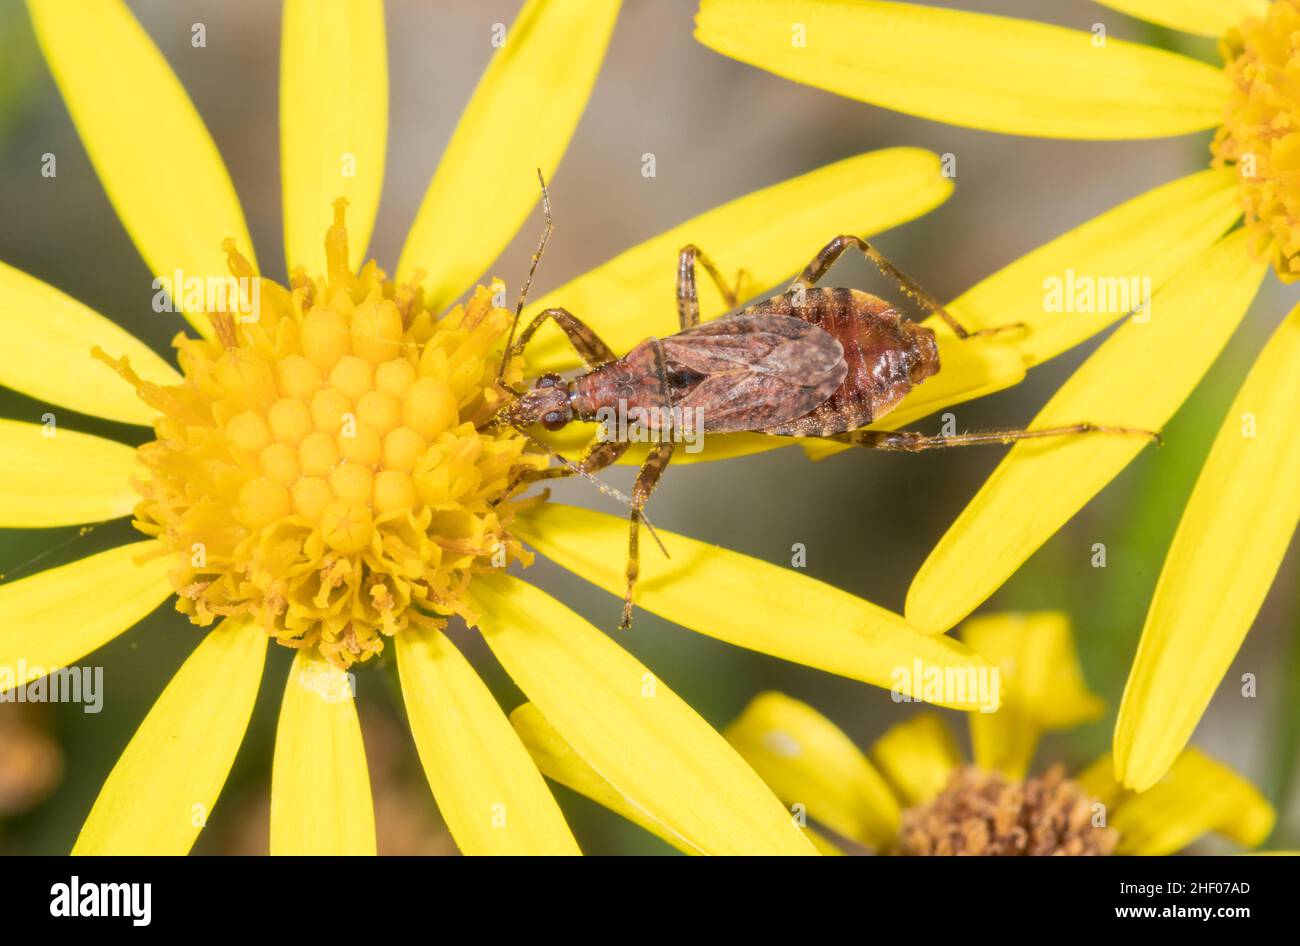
523 292
596 481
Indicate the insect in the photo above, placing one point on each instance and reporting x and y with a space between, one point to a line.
810 362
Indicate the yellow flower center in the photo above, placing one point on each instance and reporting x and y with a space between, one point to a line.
321 467
986 814
1261 133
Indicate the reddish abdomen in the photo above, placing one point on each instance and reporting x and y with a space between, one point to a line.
875 350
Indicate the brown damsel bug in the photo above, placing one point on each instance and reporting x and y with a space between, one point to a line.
810 362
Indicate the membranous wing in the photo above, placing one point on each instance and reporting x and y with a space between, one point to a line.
752 372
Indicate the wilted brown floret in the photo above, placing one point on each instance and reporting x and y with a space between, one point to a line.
983 813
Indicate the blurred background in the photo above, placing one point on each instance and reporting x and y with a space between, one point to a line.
718 130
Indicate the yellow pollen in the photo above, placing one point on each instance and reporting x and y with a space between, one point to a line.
322 468
1260 135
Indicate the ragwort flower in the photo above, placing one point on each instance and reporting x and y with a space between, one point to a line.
321 474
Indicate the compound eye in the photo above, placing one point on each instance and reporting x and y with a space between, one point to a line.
548 381
554 420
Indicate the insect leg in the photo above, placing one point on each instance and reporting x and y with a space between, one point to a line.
836 248
688 301
646 481
595 457
585 342
912 442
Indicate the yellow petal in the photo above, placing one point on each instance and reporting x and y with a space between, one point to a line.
58 477
60 615
916 757
48 337
320 785
333 123
640 736
521 118
1138 378
160 793
1203 17
750 603
1229 545
994 73
824 845
149 146
558 761
489 791
1098 781
1045 687
1199 795
809 762
630 297
1151 237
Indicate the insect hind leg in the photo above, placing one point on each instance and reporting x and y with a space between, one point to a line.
836 248
911 441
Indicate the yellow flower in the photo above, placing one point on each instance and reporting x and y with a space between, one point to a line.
1029 78
912 793
342 544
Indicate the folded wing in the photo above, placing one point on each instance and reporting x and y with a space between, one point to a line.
752 372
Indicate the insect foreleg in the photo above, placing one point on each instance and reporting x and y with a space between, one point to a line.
913 442
688 300
595 457
585 342
836 248
646 481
